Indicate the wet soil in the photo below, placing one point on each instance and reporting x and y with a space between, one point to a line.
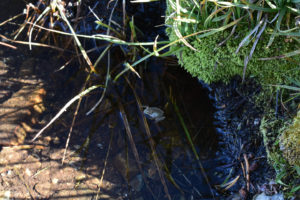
100 158
241 146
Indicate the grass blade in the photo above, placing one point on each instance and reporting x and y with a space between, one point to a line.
65 107
189 138
84 54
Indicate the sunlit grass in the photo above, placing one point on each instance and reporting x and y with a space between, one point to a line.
273 17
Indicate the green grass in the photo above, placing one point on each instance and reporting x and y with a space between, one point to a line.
239 38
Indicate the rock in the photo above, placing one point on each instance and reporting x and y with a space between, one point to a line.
263 196
55 180
235 196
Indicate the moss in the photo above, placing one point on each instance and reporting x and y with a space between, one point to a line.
270 128
290 142
213 63
281 139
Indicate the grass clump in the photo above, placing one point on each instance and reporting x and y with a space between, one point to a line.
241 38
220 63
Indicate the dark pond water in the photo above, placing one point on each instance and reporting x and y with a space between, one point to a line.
117 125
11 8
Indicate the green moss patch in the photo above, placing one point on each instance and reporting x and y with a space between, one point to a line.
290 142
213 63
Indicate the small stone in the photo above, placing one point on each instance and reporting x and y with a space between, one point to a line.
28 172
55 181
256 121
56 140
100 146
263 196
76 146
234 197
9 173
47 140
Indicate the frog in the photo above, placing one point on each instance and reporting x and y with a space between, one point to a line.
154 113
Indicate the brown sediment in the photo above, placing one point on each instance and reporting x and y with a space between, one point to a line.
19 112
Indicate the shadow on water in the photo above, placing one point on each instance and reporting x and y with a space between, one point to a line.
101 153
11 8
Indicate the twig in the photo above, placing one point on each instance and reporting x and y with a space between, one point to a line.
32 43
8 45
10 19
247 172
84 54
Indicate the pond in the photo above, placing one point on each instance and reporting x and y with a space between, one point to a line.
164 135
